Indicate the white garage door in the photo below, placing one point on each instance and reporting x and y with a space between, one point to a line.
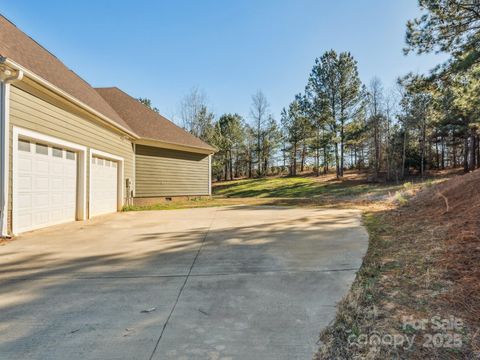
45 182
103 174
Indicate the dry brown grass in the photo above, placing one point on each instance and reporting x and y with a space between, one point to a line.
422 261
461 256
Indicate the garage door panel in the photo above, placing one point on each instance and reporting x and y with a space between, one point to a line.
104 186
25 182
42 183
25 164
45 183
24 201
41 217
25 218
57 215
58 183
57 168
68 169
57 200
40 165
41 200
70 183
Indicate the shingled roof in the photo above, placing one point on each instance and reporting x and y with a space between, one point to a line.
112 103
147 123
23 50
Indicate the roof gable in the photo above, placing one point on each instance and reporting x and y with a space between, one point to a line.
23 50
147 123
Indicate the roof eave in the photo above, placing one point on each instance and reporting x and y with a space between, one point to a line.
65 95
175 146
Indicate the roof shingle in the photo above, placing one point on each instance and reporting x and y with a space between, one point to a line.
147 123
20 48
110 102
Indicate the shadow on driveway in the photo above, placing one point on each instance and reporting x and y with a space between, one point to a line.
238 282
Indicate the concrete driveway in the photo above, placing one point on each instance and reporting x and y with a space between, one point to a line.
213 283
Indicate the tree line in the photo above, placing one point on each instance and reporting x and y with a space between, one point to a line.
246 148
422 122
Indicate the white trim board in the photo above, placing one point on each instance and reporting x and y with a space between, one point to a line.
4 156
210 175
133 185
173 146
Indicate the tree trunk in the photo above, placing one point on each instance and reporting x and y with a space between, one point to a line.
388 149
423 141
237 164
302 164
422 161
337 165
454 153
404 151
231 165
377 149
465 154
225 170
294 162
352 162
387 160
325 160
342 145
362 158
471 165
258 148
429 156
478 151
250 167
443 153
355 160
473 152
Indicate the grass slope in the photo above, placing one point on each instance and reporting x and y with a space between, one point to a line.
302 187
422 261
351 191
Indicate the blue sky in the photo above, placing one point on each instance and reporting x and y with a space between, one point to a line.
229 49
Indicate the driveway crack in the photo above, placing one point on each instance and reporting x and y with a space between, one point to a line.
183 285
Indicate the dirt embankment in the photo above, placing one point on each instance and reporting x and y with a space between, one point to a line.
455 206
423 261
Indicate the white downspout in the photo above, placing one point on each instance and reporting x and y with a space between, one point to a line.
134 182
210 175
7 76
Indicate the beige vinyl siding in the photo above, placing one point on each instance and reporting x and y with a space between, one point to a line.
164 172
30 112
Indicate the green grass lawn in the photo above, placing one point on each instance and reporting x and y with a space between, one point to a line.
292 191
186 204
297 187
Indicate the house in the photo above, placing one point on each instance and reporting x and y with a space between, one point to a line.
168 160
71 152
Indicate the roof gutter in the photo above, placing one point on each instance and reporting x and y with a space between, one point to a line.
7 76
57 90
175 146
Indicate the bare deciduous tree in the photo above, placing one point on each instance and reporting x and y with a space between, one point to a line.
190 107
259 114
